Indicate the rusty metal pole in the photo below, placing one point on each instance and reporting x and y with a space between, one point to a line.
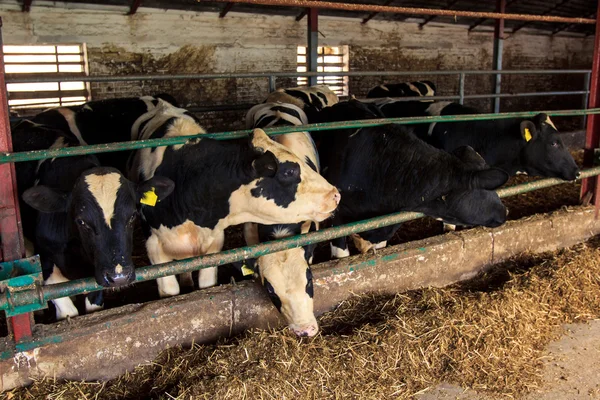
592 135
11 231
312 44
498 48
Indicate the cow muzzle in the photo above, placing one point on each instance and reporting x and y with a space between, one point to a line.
330 204
307 330
118 277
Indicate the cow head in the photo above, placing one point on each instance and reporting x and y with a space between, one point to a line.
98 213
283 189
472 200
287 278
544 153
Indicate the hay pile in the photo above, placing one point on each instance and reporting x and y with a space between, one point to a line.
488 334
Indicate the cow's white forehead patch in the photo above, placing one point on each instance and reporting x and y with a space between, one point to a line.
549 122
104 189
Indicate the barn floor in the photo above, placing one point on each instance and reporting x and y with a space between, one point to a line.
496 335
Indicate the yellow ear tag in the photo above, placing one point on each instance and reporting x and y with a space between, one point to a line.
149 198
527 135
246 271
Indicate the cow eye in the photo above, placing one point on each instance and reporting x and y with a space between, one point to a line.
291 172
131 219
81 222
555 143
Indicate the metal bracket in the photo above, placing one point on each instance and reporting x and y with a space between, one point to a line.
20 275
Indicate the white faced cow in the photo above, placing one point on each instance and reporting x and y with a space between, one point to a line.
219 184
79 215
286 275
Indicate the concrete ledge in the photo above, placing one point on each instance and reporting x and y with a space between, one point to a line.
104 345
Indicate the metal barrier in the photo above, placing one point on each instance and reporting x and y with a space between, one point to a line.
26 295
272 76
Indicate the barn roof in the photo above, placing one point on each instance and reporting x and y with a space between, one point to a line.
563 8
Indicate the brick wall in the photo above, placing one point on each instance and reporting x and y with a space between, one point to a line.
168 42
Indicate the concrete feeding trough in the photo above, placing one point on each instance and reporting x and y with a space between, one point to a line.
105 344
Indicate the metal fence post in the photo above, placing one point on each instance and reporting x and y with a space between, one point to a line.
11 231
271 83
498 47
586 97
312 44
592 134
461 88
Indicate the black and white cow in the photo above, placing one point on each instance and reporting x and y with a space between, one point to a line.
103 121
219 184
517 145
307 98
286 275
80 215
386 169
407 89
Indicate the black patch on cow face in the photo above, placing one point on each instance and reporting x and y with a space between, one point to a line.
545 154
281 186
309 283
272 295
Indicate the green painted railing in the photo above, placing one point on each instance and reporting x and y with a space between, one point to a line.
82 286
39 294
122 146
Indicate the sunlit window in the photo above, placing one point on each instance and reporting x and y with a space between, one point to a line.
43 62
330 59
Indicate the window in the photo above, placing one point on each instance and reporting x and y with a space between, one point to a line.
330 59
45 61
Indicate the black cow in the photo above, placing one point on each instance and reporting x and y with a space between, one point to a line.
407 89
80 215
517 145
286 275
219 184
386 169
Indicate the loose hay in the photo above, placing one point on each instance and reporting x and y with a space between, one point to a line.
487 334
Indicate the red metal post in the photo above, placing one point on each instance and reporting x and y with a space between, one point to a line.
11 231
592 135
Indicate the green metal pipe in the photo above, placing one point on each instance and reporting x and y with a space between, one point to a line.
122 146
150 272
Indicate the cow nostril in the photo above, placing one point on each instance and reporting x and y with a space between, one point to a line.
337 197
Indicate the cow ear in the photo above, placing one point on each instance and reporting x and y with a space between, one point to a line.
154 189
265 165
470 157
46 199
528 130
489 179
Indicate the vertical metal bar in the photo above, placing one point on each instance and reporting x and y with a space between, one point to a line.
592 134
498 47
313 44
272 86
11 231
586 97
461 87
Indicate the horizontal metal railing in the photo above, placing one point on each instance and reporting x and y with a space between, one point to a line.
139 144
9 300
88 285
